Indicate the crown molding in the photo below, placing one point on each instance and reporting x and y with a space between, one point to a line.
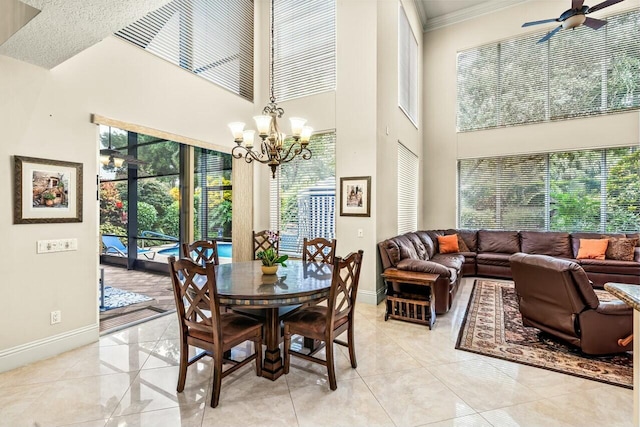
464 14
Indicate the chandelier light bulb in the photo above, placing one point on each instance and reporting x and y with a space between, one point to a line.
236 130
305 135
263 123
297 124
248 136
118 162
104 159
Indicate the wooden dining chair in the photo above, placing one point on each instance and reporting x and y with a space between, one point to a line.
194 288
261 242
325 323
201 251
319 249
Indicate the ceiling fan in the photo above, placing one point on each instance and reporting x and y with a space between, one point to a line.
112 158
575 17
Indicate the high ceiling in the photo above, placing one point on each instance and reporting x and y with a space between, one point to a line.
64 28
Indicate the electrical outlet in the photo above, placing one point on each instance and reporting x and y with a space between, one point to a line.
56 317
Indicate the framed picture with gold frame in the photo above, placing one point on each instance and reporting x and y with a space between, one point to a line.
355 196
46 191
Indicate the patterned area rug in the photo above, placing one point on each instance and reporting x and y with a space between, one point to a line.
115 298
493 327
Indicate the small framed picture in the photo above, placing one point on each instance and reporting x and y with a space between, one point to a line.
355 196
46 191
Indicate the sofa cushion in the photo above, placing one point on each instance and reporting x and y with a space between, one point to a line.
546 243
494 259
506 242
575 239
610 266
424 267
407 250
621 249
592 248
448 244
419 247
454 261
393 251
428 243
470 238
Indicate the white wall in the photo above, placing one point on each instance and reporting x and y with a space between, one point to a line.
47 114
443 146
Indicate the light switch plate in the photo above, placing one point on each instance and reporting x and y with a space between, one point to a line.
58 245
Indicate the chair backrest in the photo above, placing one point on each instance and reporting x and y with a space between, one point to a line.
344 286
551 291
196 297
201 251
319 249
113 242
262 242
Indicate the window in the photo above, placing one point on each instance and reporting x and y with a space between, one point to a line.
303 196
590 190
407 190
407 68
576 73
304 47
210 38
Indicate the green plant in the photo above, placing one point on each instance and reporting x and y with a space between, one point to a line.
269 257
48 195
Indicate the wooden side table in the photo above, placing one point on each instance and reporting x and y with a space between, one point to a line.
410 307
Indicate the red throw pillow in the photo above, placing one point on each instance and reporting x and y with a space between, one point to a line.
592 248
448 244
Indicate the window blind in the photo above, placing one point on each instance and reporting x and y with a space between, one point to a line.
407 190
588 190
210 38
303 196
574 74
407 68
304 48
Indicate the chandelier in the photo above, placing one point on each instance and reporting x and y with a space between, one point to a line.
272 151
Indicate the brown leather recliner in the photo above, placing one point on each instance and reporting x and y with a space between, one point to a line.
556 296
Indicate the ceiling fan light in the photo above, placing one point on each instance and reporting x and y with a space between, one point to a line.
574 21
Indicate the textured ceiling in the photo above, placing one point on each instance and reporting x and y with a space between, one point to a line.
64 28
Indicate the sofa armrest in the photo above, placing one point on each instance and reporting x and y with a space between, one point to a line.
422 266
616 308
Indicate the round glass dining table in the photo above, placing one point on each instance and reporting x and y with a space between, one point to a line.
243 286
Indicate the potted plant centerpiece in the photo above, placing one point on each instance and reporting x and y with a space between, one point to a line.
49 197
270 258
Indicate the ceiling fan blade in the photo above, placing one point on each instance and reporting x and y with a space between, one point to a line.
550 34
544 21
594 23
577 4
603 5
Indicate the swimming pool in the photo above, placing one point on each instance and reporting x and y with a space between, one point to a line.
224 250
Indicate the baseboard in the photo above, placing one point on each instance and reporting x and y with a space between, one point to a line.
34 351
370 297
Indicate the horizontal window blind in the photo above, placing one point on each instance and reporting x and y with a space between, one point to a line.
304 48
407 190
589 190
574 74
303 196
210 38
407 68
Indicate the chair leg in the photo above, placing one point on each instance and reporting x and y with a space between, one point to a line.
217 377
184 361
287 344
352 346
331 369
258 351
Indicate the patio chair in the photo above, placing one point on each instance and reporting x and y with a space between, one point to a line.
113 246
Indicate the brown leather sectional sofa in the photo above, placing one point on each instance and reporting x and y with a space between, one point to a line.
489 253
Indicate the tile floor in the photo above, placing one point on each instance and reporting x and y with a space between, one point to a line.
406 376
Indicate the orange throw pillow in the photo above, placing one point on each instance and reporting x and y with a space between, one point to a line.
592 248
449 244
